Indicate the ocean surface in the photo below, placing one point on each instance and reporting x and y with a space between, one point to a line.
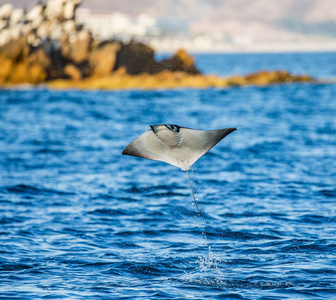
80 221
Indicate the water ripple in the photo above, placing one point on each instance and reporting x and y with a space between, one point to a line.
78 220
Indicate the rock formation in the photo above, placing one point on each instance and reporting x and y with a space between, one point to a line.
181 61
47 43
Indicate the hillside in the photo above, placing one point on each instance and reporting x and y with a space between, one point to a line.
263 21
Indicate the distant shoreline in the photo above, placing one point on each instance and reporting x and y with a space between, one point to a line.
174 80
249 51
47 45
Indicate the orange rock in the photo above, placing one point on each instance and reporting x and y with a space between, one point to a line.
16 50
6 67
180 62
30 69
72 72
103 59
274 77
77 48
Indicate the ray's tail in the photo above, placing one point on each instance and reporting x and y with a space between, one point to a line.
199 212
192 191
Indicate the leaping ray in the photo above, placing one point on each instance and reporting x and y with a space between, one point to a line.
175 145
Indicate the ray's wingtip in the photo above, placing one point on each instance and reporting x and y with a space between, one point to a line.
227 131
232 129
124 152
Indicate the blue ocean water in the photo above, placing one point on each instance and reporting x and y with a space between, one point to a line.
320 65
80 221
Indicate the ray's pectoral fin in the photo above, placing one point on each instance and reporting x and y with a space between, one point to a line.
146 146
199 142
212 137
149 146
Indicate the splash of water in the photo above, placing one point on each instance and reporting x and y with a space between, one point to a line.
208 265
208 271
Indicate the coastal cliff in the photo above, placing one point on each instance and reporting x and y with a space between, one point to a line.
47 45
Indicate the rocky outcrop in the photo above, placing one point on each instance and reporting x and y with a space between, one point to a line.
21 64
180 62
263 78
171 80
136 58
273 77
76 48
30 42
47 43
139 58
102 59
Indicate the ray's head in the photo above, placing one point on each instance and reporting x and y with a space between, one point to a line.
169 133
171 127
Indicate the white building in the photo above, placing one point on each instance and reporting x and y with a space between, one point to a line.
116 25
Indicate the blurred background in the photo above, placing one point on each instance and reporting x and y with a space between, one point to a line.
80 221
213 25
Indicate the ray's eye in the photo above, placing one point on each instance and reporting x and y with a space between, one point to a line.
173 127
